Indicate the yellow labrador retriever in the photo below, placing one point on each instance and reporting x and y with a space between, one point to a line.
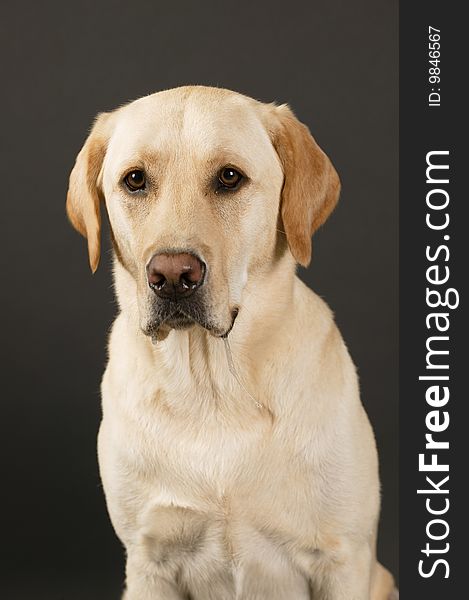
236 457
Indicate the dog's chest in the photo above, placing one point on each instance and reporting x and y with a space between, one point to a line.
207 507
200 456
213 491
150 459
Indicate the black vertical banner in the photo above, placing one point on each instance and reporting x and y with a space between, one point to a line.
434 257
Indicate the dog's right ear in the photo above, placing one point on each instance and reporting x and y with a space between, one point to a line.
84 191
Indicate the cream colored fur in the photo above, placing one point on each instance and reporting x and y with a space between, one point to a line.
257 485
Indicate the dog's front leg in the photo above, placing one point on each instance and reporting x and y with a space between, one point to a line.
345 577
148 580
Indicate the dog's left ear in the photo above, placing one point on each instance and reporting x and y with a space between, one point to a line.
311 185
84 191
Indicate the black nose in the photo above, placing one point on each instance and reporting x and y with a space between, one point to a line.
175 275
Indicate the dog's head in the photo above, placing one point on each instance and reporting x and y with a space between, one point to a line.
201 187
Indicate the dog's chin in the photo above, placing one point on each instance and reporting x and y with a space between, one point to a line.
179 321
158 329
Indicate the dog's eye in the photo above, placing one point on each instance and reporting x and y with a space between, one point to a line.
135 180
229 177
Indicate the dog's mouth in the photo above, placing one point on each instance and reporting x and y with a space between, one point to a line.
180 316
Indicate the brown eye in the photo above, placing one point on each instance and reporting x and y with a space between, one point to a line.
229 177
135 180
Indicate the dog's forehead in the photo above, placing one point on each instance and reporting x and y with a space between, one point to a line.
199 121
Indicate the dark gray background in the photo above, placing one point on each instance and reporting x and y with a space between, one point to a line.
335 62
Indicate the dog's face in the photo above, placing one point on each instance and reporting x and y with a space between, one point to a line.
199 183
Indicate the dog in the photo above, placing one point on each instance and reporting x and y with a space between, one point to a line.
236 457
